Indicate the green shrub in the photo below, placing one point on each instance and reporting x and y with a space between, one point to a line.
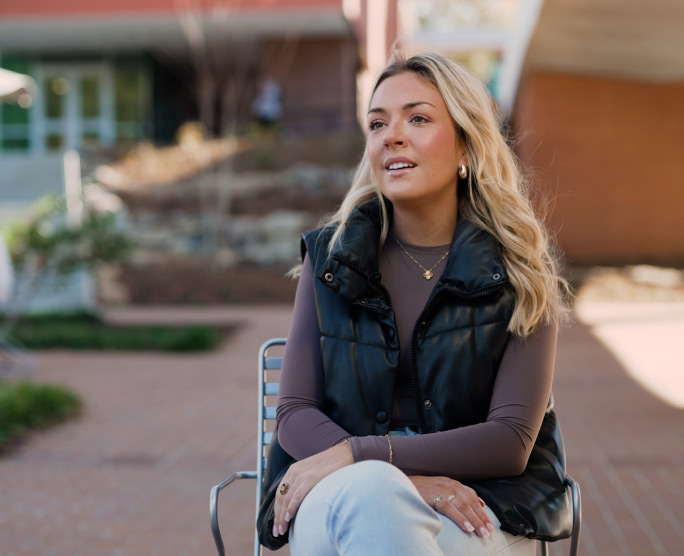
87 331
25 406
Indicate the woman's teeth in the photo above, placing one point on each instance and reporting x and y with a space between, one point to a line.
400 165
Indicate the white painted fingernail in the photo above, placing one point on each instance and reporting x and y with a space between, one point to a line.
275 531
281 529
288 517
469 527
483 532
491 528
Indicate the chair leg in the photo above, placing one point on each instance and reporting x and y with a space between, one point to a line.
544 548
577 516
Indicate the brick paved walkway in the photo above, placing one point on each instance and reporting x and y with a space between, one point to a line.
131 476
625 446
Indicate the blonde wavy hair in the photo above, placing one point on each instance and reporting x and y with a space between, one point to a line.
493 196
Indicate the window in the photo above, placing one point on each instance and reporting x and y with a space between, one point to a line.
131 103
14 120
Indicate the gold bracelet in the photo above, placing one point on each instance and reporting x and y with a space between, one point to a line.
346 442
389 443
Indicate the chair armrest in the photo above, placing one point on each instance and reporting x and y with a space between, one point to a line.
213 505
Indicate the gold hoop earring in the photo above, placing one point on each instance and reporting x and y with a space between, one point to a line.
463 172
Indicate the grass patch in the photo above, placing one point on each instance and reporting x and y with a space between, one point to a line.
88 331
25 406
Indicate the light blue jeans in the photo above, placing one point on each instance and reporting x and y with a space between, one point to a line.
371 508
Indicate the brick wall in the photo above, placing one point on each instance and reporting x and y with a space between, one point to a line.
608 161
319 86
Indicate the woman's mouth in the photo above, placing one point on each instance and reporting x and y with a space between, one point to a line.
399 167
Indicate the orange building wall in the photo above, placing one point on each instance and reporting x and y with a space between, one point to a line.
608 162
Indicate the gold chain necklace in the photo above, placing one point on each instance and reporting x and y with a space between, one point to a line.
427 274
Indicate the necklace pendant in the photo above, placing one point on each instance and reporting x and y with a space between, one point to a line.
427 274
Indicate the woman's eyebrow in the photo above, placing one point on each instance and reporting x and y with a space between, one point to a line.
407 106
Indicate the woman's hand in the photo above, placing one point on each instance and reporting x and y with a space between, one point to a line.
456 501
301 477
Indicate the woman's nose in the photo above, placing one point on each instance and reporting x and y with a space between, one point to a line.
394 135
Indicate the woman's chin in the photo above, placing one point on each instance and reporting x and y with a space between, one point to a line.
399 193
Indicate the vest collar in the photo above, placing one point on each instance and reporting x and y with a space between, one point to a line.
474 264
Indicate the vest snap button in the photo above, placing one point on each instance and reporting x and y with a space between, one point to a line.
427 403
496 276
328 277
381 417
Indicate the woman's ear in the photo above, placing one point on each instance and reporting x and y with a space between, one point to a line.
462 152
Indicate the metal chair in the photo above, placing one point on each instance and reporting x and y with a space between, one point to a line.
269 378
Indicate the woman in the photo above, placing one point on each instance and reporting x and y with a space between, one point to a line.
416 382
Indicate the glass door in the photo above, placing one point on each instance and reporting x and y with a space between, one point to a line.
57 98
75 112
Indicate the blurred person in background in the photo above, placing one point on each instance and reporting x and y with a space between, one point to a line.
267 105
414 413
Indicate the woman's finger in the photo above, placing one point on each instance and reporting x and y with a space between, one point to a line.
293 489
289 504
479 508
296 499
454 514
458 502
468 505
472 521
283 496
301 477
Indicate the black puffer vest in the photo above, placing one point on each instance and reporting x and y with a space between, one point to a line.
458 343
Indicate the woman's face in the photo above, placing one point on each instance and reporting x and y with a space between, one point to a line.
412 143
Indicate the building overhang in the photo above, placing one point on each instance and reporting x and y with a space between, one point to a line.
635 40
163 31
459 40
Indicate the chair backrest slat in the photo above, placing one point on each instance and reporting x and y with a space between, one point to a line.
273 363
269 412
271 389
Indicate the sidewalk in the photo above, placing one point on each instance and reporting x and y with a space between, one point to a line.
131 476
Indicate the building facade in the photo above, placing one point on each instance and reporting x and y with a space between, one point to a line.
599 119
117 72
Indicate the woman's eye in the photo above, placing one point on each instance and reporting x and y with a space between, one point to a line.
419 119
375 125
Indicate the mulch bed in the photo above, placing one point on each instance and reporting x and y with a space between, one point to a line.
196 282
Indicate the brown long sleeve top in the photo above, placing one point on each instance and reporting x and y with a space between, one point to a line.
498 447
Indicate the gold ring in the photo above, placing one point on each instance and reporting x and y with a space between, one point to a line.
284 488
436 501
